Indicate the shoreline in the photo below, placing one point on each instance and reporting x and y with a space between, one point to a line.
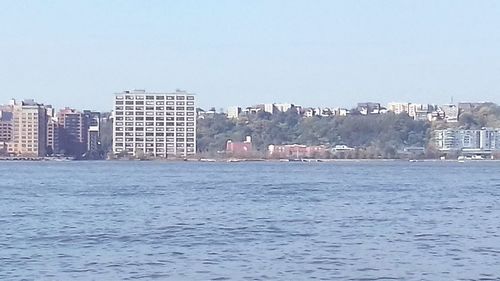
239 160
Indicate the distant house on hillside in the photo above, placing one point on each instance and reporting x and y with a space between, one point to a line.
368 108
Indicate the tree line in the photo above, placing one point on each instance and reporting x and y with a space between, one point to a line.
377 136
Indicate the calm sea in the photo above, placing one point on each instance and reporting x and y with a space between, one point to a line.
250 221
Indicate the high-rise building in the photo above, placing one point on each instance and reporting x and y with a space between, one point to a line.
93 126
29 131
6 127
154 124
73 132
53 141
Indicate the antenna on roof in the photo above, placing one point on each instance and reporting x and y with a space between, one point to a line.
451 99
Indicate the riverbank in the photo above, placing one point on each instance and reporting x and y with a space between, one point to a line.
36 158
240 160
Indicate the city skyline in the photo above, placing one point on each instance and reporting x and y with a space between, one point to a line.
228 53
256 103
163 125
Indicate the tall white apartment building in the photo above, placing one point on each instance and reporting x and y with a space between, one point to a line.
154 124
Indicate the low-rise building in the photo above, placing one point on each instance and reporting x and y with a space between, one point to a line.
368 108
240 149
233 112
484 140
252 110
342 112
326 112
449 112
398 107
310 112
283 107
420 111
269 108
342 148
297 151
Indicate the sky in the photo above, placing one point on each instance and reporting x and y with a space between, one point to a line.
311 53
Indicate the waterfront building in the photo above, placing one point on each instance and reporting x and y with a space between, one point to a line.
53 130
240 149
154 124
297 151
73 132
6 125
29 130
342 148
484 140
93 128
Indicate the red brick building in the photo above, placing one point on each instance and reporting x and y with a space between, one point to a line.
297 151
239 149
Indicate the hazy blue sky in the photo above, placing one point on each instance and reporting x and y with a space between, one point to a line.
243 52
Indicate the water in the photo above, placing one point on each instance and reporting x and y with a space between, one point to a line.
250 221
